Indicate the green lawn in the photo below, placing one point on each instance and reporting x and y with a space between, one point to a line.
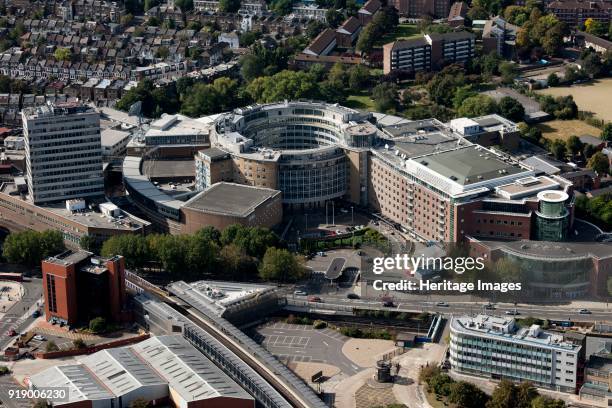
360 101
401 32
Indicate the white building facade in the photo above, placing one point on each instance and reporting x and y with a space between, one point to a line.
63 152
495 347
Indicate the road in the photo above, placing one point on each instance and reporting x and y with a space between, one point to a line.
6 384
552 312
19 316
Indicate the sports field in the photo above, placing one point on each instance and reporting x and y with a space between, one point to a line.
593 97
563 129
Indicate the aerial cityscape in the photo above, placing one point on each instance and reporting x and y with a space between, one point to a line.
305 203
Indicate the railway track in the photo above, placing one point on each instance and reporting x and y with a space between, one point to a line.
270 376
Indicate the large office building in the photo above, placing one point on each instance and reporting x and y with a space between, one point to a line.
63 152
162 370
78 287
497 348
428 52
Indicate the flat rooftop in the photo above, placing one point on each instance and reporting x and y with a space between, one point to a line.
230 199
179 168
506 329
469 165
526 186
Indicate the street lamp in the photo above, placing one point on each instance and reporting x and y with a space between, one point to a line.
352 217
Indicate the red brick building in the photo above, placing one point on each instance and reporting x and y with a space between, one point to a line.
79 286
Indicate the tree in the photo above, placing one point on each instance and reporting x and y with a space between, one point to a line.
358 77
97 325
553 80
606 133
542 401
51 346
504 396
89 243
461 94
229 6
235 261
511 108
62 54
41 404
441 384
558 149
31 247
333 17
592 64
574 145
466 395
508 71
162 52
281 7
366 39
184 5
134 248
599 163
4 370
588 151
204 99
284 85
280 265
525 393
595 27
477 105
79 344
385 97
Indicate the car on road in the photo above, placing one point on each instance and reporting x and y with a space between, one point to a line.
35 314
442 304
39 337
300 293
584 311
513 312
388 303
321 253
315 299
352 296
11 333
489 306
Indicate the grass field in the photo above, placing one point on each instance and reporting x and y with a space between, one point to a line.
401 32
563 129
360 101
592 97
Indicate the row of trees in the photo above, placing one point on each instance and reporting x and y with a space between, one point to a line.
240 252
384 21
466 395
598 209
31 247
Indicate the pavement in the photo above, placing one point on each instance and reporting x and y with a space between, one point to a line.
6 384
302 343
19 316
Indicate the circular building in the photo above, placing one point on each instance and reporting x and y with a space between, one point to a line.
310 151
552 217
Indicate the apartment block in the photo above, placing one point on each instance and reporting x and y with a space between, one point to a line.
63 152
497 348
597 388
576 12
420 8
429 52
78 287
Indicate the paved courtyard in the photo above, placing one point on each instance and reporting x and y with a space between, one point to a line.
302 343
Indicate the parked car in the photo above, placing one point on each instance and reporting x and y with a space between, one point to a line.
513 312
352 296
489 306
11 333
35 314
315 299
39 337
300 293
388 303
442 304
584 311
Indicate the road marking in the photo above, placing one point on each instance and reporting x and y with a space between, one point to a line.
326 345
